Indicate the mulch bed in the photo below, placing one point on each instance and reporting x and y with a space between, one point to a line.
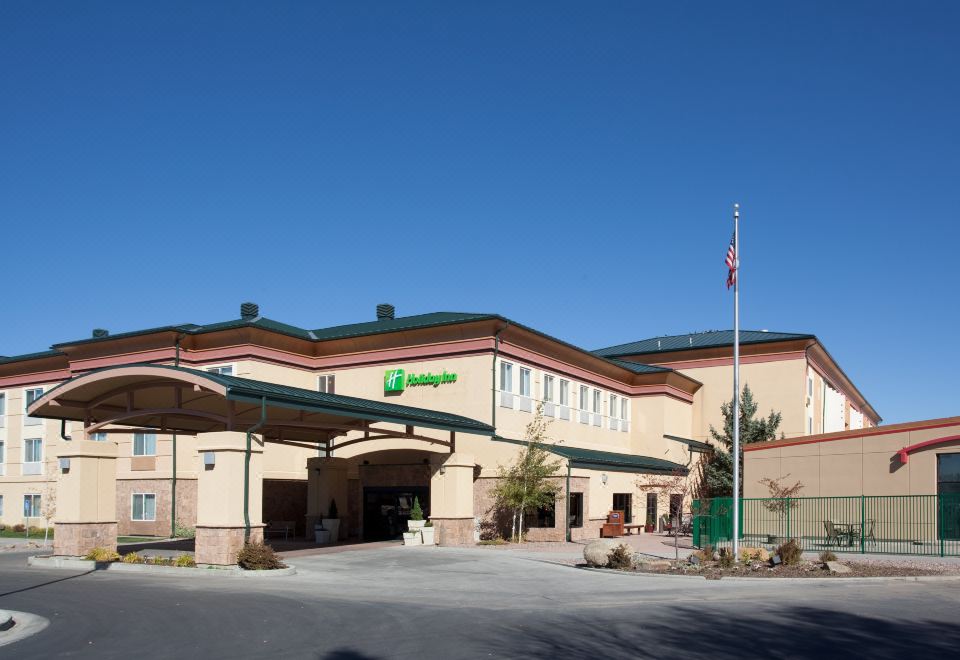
806 569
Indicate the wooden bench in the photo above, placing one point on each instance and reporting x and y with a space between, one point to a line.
628 529
277 527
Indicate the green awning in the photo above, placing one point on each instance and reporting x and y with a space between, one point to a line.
592 459
695 445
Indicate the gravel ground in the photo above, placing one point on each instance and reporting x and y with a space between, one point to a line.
869 568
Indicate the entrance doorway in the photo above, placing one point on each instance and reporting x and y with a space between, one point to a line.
386 510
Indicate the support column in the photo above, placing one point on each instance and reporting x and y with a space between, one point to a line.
326 480
86 511
451 498
220 521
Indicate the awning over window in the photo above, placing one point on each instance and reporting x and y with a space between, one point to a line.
592 459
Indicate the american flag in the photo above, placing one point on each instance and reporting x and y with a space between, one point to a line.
732 261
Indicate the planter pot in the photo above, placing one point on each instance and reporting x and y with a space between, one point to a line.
412 538
649 529
321 535
333 524
428 535
414 525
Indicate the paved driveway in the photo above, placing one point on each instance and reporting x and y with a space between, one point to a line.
398 602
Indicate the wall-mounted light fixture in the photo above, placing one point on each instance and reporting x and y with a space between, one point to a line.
64 464
603 478
209 460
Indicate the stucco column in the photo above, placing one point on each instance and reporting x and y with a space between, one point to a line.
451 498
220 521
326 481
86 507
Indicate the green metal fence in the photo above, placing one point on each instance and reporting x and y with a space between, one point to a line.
895 524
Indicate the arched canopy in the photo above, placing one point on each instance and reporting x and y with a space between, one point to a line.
179 400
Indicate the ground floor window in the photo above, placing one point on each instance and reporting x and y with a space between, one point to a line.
544 517
1 505
144 506
31 506
576 510
651 509
624 502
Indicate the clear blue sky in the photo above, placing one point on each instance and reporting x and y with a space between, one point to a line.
568 165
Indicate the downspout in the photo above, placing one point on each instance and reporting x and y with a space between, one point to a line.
173 436
246 469
493 377
568 501
63 430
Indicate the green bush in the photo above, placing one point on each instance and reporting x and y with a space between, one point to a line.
416 513
620 557
20 528
827 555
496 541
160 561
259 557
185 561
727 560
103 554
132 558
790 552
184 532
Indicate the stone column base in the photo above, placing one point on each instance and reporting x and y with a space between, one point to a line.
77 539
220 545
454 531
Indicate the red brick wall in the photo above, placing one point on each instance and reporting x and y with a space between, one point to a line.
186 506
494 523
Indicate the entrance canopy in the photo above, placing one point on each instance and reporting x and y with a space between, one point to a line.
171 399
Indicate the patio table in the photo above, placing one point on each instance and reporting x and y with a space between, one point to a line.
849 530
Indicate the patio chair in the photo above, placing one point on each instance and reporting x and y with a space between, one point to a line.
868 531
833 534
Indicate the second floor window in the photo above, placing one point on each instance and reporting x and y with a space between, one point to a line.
613 405
583 397
29 396
144 444
506 377
623 408
524 381
32 450
547 388
223 369
100 436
327 384
564 392
3 408
597 402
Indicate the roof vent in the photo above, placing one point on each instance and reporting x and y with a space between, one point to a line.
100 333
385 311
249 311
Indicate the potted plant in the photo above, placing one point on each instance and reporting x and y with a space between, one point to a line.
428 533
320 533
332 521
412 537
649 527
416 522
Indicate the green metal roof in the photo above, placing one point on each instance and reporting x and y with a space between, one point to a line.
592 459
637 367
30 356
398 324
696 340
695 445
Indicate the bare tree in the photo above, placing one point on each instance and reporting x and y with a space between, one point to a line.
48 501
679 482
782 496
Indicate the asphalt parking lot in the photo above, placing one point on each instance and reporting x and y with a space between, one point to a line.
398 602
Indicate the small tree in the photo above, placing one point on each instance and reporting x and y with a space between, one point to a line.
332 512
48 506
525 486
416 513
679 482
782 496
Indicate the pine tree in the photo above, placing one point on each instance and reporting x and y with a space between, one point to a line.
716 473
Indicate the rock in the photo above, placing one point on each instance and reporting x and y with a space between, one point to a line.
694 559
654 565
837 567
597 553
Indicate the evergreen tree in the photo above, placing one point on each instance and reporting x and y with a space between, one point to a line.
716 473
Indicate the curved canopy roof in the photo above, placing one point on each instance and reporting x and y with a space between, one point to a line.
180 400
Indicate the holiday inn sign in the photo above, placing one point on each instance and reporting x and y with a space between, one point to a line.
397 380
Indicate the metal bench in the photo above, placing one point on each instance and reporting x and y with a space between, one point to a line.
280 527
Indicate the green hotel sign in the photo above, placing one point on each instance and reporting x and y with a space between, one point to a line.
397 380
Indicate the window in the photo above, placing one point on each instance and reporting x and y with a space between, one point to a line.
651 509
506 377
29 396
623 408
613 405
624 502
144 506
583 397
564 392
3 409
543 517
32 450
31 506
576 510
99 436
809 424
144 444
597 402
524 381
810 386
3 454
1 505
223 369
548 388
327 384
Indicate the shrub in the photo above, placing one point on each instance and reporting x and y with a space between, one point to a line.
185 561
790 552
705 553
184 532
416 513
160 561
259 557
727 560
3 527
102 554
496 541
827 555
754 554
34 531
20 528
132 558
620 557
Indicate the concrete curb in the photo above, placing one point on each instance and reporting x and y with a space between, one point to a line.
613 571
77 564
25 625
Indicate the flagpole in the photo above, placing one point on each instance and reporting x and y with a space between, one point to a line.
736 383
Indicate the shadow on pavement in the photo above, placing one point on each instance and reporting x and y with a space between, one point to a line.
44 584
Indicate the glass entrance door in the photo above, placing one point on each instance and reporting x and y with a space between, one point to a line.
387 510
